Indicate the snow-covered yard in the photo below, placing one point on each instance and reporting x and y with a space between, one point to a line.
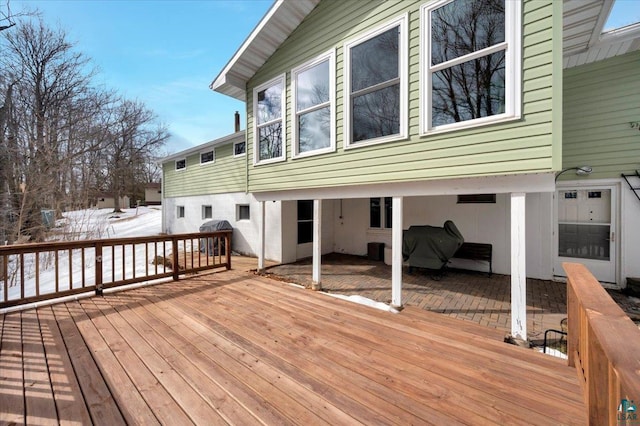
87 225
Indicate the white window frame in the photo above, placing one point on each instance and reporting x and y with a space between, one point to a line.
512 47
256 151
238 208
328 56
383 215
244 154
403 76
183 168
178 210
205 152
204 207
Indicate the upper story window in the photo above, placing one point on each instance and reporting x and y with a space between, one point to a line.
376 85
239 149
181 164
472 63
268 112
207 157
313 94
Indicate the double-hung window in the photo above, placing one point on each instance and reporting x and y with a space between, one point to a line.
380 213
471 63
313 111
269 111
376 85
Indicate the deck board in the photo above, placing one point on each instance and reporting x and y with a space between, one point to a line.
235 348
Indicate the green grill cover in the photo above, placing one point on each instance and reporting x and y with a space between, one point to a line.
431 246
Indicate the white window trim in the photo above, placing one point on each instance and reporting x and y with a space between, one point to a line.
208 162
513 74
244 154
403 75
330 56
281 78
176 164
178 212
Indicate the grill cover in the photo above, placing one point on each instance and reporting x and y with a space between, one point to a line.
431 247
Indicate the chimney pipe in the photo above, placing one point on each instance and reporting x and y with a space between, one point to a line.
237 121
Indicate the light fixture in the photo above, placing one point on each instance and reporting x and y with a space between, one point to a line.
580 171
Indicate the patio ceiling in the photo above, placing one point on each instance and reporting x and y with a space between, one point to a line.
583 40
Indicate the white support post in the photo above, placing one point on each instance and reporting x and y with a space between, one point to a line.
518 268
317 245
396 252
261 237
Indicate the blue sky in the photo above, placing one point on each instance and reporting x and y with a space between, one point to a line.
166 53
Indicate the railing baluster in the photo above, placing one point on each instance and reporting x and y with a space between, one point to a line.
5 277
37 272
98 266
22 275
70 269
82 263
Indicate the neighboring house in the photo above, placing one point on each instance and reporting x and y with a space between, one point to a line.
153 194
365 118
106 201
209 182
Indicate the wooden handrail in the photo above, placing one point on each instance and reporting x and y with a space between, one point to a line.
103 271
604 346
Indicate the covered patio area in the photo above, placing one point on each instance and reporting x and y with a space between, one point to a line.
467 295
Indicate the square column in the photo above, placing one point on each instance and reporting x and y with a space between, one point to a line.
261 237
396 253
317 245
518 268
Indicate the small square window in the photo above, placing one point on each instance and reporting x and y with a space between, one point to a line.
207 212
206 157
243 212
239 148
181 164
180 212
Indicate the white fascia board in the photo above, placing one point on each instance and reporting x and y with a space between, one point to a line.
277 24
232 138
525 183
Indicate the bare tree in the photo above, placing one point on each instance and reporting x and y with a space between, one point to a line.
135 137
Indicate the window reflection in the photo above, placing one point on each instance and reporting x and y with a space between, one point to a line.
376 114
313 107
269 103
375 87
476 87
270 141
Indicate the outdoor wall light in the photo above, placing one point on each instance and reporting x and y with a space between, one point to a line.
580 171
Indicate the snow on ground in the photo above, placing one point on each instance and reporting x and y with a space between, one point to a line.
365 301
87 225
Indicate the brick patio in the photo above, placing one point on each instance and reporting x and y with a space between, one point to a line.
468 295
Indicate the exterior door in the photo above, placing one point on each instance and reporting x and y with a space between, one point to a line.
586 230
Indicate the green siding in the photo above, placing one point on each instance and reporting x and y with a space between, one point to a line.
226 174
526 145
600 100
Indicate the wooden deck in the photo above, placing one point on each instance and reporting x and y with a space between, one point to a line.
233 348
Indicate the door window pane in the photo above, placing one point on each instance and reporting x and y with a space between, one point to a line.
584 241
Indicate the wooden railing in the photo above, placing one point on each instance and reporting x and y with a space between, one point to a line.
35 272
604 346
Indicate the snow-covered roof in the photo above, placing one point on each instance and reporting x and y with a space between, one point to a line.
583 39
232 138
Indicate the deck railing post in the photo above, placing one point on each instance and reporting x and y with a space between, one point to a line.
174 255
227 245
98 269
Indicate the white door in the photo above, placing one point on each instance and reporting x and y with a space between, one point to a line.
586 230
